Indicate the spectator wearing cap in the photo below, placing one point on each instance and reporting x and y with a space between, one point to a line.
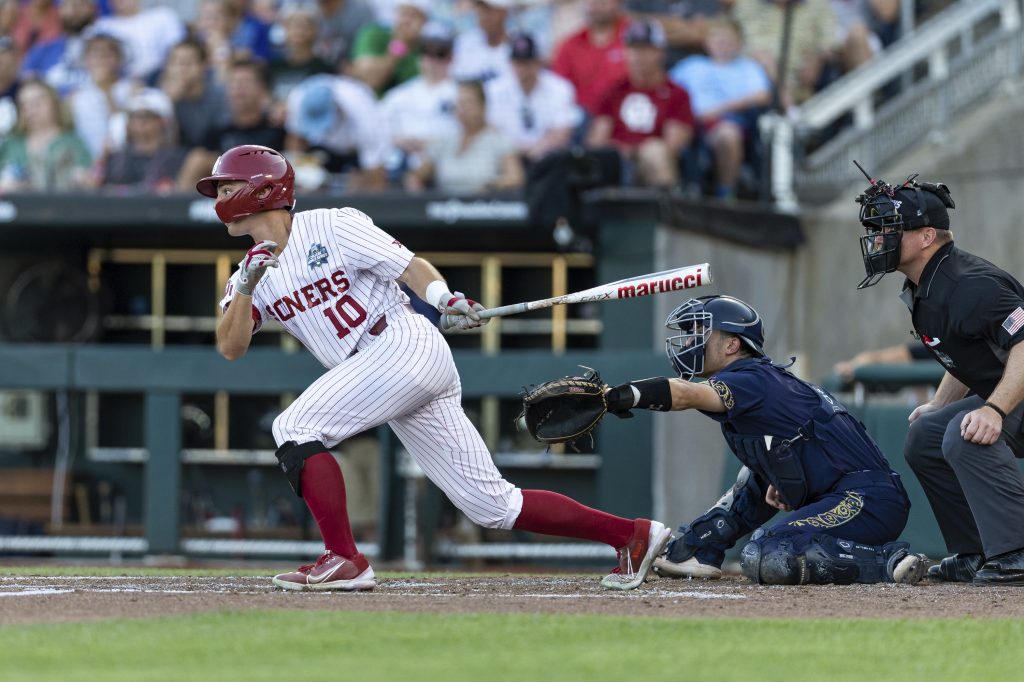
340 21
483 52
59 61
685 22
533 106
421 110
383 57
594 59
337 120
150 158
146 34
43 154
476 158
813 40
37 22
249 123
10 81
728 91
645 116
200 103
297 60
94 103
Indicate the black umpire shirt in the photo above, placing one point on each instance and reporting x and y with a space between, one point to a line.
968 313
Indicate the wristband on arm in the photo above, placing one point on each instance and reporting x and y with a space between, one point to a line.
997 410
645 394
438 294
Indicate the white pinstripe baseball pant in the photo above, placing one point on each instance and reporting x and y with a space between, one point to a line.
407 378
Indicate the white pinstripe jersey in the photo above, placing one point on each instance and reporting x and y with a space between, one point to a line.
336 278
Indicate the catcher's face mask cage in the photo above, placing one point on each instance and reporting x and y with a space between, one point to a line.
697 317
886 212
686 350
880 246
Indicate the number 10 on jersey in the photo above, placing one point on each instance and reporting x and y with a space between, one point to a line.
345 314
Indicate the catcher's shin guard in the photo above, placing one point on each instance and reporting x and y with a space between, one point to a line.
740 510
819 559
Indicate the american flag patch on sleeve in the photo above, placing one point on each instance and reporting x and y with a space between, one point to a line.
1014 321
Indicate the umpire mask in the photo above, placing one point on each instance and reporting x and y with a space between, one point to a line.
887 211
696 318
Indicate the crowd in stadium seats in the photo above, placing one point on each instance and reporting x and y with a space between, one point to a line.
460 96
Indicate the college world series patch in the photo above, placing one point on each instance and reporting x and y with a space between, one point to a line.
317 255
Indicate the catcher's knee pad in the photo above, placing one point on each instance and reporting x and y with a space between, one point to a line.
816 559
768 560
292 456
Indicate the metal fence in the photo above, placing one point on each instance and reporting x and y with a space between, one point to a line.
921 84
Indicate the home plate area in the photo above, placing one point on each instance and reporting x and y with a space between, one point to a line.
26 599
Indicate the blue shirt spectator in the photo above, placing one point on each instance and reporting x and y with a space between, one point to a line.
715 84
59 61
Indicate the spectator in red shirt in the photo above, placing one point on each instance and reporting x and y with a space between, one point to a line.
593 59
645 115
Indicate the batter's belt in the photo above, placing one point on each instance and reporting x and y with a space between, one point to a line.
379 326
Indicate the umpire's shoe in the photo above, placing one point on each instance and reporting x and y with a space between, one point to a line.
1003 569
691 568
635 559
959 568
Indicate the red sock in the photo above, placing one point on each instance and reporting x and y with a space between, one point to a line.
553 514
323 490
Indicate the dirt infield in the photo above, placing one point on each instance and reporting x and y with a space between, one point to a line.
25 599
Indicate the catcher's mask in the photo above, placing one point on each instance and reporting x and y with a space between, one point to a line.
697 317
887 211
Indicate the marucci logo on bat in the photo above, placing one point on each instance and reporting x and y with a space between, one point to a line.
661 286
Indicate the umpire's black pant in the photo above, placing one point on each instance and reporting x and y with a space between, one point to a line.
976 491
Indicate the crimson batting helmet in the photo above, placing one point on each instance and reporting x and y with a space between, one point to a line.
261 168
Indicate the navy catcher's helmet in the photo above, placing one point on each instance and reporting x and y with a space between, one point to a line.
697 317
887 211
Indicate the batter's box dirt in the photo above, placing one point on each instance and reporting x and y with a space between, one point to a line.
25 599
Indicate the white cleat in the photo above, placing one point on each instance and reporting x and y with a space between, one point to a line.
691 568
636 558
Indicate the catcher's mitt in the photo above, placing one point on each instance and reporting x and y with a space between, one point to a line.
564 410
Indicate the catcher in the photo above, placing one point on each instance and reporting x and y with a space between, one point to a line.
801 452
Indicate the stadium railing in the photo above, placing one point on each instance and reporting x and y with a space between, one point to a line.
966 52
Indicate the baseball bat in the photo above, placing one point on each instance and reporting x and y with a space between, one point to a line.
666 281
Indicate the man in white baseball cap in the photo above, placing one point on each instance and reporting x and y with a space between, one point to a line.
484 52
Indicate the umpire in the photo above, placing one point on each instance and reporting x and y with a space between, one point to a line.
969 314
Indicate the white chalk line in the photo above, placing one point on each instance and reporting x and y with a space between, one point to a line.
33 593
22 588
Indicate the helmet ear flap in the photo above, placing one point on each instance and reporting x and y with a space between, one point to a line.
263 193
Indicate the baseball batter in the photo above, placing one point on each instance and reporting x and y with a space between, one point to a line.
330 277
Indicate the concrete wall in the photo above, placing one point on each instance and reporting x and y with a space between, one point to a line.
988 221
690 456
809 300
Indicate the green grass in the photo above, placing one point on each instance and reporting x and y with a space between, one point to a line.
294 645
